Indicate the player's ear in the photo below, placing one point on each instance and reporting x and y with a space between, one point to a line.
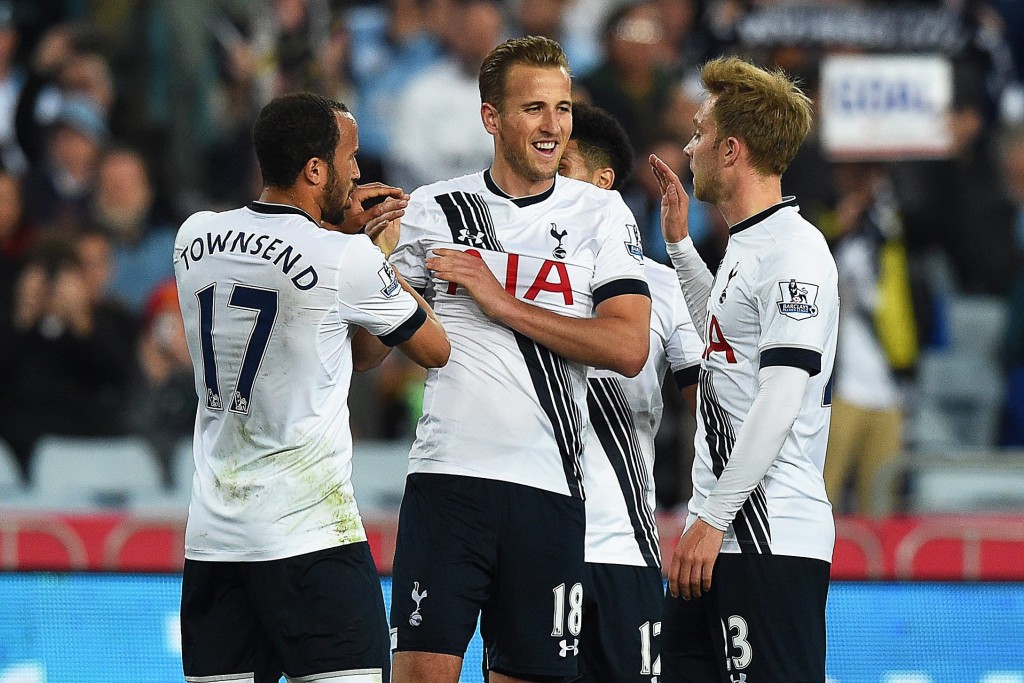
731 147
605 178
314 171
489 114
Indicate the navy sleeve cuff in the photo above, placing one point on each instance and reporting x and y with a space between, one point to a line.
805 359
405 331
687 376
620 287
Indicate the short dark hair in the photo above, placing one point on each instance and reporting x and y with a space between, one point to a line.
292 129
602 142
530 50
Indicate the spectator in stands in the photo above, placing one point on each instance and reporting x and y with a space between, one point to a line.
436 132
12 79
634 83
71 354
15 237
59 188
161 403
1011 153
392 50
975 231
877 337
123 208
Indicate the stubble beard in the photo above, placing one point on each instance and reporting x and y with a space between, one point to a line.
526 168
335 200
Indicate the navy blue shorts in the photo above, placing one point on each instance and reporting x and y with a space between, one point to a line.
621 623
511 555
316 613
762 620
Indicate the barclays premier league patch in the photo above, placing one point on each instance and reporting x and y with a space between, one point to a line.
798 300
634 245
391 283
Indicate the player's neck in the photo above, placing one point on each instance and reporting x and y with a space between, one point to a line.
291 196
513 184
751 196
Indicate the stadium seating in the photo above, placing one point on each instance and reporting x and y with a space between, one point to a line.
378 473
11 483
77 472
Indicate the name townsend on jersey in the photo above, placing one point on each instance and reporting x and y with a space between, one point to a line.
267 248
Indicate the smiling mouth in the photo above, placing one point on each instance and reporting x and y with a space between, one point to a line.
546 147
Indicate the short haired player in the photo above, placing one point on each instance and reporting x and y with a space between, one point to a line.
278 308
536 277
749 577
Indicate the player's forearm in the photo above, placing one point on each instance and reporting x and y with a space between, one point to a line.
694 278
764 431
613 342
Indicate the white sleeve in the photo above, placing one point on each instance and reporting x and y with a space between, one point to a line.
369 294
780 394
684 347
694 279
410 254
796 290
619 265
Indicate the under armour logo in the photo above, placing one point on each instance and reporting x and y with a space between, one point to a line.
732 274
564 648
558 251
471 235
415 619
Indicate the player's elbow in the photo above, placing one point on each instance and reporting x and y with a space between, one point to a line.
434 354
439 356
632 358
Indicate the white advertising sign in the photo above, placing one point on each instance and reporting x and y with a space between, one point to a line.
875 107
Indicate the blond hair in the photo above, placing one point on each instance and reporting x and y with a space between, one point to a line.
765 109
530 50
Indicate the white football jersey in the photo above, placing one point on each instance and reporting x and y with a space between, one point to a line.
625 412
271 301
505 407
774 301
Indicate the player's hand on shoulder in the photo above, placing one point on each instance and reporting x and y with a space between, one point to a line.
694 560
675 203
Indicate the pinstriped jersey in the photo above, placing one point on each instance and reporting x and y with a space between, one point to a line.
506 407
774 301
625 412
270 302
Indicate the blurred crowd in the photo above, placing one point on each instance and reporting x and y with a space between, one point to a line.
118 118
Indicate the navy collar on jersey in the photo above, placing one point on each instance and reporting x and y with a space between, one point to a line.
266 207
761 215
518 201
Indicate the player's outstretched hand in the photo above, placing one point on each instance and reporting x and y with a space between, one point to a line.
465 270
674 201
694 560
380 222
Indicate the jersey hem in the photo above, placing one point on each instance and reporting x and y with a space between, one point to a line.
264 555
414 468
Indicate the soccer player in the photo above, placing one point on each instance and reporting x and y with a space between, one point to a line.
749 577
624 592
535 277
278 575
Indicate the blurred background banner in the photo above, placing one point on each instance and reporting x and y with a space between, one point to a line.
885 107
83 628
